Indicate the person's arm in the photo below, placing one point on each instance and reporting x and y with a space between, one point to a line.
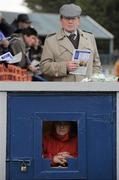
96 59
59 158
48 65
17 46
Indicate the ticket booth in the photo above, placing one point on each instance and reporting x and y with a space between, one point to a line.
30 115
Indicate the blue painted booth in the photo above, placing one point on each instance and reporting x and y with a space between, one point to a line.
94 114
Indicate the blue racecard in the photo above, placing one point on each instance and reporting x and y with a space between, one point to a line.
81 55
2 37
76 55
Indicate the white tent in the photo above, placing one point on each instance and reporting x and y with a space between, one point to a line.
46 23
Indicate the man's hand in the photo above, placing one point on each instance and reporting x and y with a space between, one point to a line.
33 69
72 66
4 43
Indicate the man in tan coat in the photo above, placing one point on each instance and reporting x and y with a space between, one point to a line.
56 62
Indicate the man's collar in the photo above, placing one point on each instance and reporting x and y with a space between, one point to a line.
61 34
68 33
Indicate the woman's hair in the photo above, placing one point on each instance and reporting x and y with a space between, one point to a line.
73 127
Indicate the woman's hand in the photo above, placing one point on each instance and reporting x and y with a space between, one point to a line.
61 158
65 154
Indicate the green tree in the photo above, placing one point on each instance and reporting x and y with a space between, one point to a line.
47 5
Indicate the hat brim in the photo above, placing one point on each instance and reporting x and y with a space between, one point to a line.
70 17
24 20
28 22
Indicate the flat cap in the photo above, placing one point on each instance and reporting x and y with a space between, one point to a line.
70 10
23 18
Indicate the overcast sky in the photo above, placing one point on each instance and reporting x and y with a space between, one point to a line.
13 5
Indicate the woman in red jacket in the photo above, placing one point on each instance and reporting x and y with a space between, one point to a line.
61 143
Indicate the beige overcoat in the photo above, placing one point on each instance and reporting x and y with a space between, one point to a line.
58 50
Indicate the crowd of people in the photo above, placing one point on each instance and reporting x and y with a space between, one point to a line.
58 59
20 37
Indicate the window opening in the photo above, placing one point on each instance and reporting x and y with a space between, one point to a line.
59 142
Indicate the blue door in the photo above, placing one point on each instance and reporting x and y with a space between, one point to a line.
94 115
